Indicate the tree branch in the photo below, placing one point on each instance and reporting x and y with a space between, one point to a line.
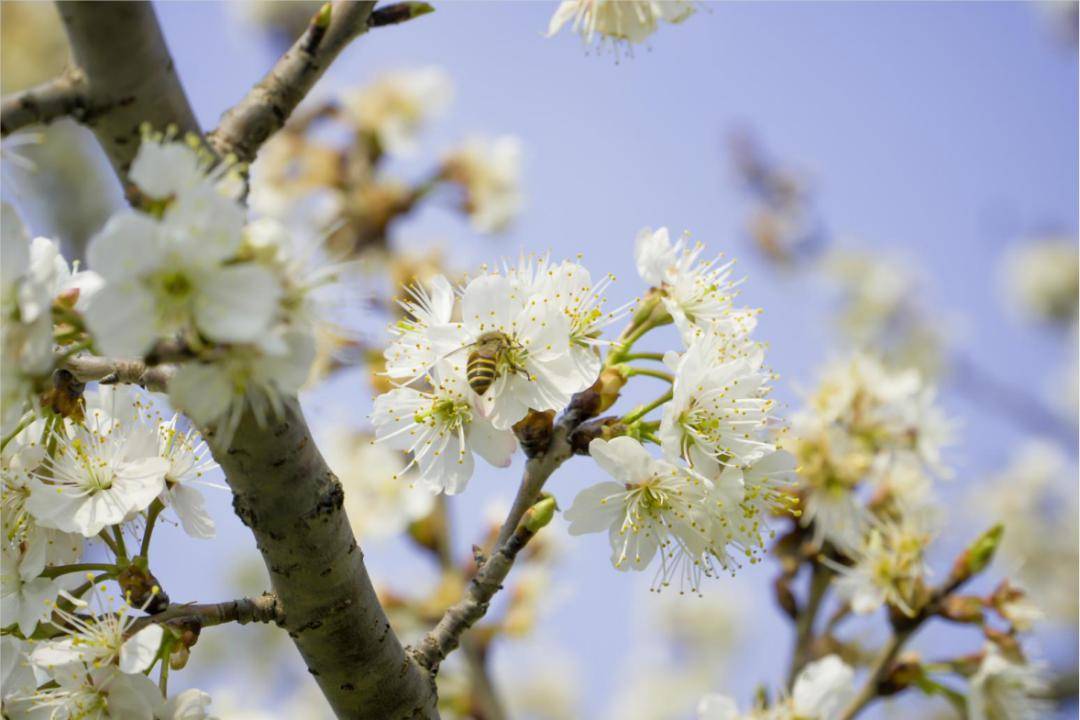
292 503
110 371
461 616
513 536
63 96
262 609
266 108
119 49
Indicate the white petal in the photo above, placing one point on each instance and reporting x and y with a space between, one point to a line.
127 247
495 446
190 507
121 317
201 391
590 513
236 303
137 653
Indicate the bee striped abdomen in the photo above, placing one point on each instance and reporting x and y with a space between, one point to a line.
480 372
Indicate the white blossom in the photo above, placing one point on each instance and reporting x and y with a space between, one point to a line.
441 429
161 279
889 566
697 294
653 507
429 311
489 171
189 461
38 547
1003 689
24 598
395 107
631 21
103 472
102 694
34 274
568 285
718 412
95 640
191 704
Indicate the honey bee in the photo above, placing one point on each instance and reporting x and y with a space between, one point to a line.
482 368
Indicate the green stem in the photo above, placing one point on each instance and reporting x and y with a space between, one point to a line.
24 423
658 357
163 681
119 537
151 520
659 374
643 410
104 536
58 570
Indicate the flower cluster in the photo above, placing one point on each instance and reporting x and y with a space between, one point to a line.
525 339
95 666
103 472
186 269
869 444
703 504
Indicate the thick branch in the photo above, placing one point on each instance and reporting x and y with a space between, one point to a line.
64 96
121 52
262 609
292 502
266 108
110 371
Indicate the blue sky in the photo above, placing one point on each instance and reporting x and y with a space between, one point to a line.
941 132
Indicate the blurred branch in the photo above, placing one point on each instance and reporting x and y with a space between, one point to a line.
1018 405
970 563
820 577
129 75
63 96
267 107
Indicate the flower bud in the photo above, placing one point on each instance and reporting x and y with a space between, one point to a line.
962 608
539 514
977 556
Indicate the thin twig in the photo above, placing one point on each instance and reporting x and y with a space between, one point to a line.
262 609
461 616
111 371
513 536
820 576
267 107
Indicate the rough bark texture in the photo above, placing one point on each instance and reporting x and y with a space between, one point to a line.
264 110
285 493
121 52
